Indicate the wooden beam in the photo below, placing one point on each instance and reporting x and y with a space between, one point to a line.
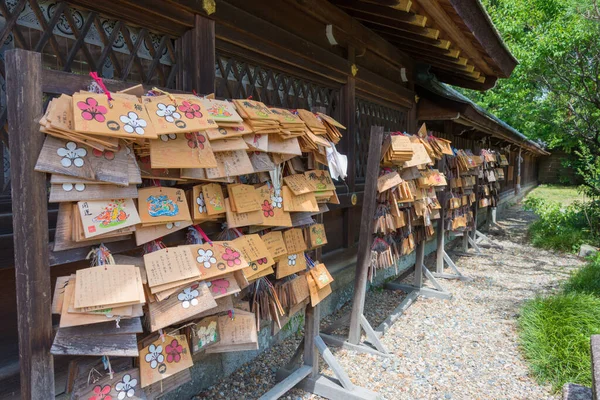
348 119
30 224
401 5
428 110
328 13
373 9
151 14
387 21
203 53
454 33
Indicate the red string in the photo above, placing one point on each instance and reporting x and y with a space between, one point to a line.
201 232
98 80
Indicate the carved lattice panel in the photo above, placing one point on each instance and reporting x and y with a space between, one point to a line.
79 41
239 79
372 114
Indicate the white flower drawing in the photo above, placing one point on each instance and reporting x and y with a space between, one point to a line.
188 296
207 334
125 388
169 112
71 155
201 203
168 136
67 187
292 259
154 356
133 123
172 225
206 257
276 199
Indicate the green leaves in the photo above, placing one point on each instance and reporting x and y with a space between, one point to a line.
554 92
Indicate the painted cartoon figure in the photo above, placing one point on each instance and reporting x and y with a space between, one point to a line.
219 110
112 215
159 206
322 178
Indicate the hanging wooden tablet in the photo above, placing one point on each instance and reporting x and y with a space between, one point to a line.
284 146
108 285
180 306
66 158
316 235
217 258
294 240
170 265
148 172
290 264
321 276
275 243
244 197
222 286
198 205
164 357
158 204
261 162
254 109
145 234
63 236
320 180
420 155
226 132
104 216
259 142
205 333
213 199
107 338
176 114
182 150
121 385
231 144
253 248
388 181
299 288
298 184
220 110
316 295
272 208
298 203
238 220
236 334
125 117
230 163
68 192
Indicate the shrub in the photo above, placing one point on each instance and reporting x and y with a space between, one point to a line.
555 336
564 228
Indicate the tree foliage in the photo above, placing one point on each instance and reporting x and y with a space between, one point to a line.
554 93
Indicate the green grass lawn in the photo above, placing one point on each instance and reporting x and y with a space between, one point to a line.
560 194
555 330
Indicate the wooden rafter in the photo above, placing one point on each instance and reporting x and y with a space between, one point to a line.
402 5
369 8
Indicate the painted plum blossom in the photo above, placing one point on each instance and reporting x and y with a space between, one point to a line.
174 351
206 258
267 209
168 136
232 257
155 356
190 110
91 110
168 112
133 123
101 393
126 386
189 296
71 155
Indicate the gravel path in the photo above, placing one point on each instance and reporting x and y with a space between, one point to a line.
463 348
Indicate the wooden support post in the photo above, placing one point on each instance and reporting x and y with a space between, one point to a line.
30 230
364 241
442 197
203 54
311 331
348 147
420 257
